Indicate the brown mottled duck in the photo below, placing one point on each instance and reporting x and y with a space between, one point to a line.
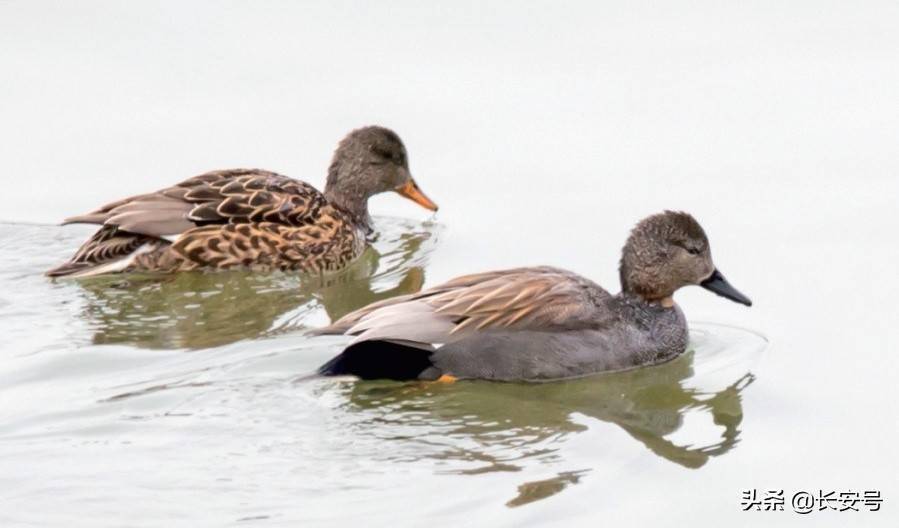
250 218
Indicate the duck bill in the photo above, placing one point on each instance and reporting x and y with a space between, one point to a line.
411 191
716 283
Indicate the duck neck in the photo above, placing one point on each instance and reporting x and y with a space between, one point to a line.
348 198
646 287
663 301
356 207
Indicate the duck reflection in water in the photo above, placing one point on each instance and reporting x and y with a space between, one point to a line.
512 425
200 310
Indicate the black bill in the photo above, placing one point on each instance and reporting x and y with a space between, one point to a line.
718 284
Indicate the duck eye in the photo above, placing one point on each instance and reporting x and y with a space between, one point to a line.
383 152
693 251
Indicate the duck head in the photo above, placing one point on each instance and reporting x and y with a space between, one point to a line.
667 251
369 161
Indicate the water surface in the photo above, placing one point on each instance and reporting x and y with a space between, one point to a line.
201 385
544 131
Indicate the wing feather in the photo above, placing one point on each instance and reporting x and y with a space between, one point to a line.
218 197
108 245
538 298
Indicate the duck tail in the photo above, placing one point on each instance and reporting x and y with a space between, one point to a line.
382 360
109 250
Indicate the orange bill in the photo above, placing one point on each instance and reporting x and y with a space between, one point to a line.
411 191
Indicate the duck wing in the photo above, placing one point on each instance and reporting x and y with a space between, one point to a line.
538 298
105 248
217 197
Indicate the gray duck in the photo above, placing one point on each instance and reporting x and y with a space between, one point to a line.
538 323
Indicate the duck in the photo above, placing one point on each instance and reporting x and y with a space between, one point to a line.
538 323
250 219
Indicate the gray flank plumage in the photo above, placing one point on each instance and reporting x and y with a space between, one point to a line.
539 323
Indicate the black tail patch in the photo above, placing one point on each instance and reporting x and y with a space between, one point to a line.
371 360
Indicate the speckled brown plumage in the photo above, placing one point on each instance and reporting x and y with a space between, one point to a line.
250 218
326 245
